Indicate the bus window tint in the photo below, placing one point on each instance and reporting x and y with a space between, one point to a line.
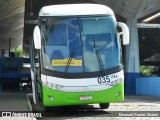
102 30
62 37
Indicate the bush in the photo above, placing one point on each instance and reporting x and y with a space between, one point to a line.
146 70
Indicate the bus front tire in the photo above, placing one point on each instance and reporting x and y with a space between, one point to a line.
104 105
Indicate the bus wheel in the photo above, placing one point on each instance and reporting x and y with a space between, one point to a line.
104 105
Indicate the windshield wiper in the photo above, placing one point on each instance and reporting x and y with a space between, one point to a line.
69 61
99 58
43 42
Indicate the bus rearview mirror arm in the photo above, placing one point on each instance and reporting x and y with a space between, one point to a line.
37 37
125 32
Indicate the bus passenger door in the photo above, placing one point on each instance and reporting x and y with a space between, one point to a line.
33 72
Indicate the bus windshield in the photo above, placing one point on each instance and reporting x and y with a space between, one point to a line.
71 44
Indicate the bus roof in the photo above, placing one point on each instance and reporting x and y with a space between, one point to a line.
75 9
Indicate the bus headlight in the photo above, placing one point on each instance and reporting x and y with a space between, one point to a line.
58 86
52 85
116 82
46 84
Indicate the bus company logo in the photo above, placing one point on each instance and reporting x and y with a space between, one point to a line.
6 114
20 114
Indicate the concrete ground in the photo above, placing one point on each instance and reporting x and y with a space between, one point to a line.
13 102
139 107
133 104
137 103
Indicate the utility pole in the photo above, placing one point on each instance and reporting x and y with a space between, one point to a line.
9 47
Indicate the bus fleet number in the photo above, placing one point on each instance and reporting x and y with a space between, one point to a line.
104 80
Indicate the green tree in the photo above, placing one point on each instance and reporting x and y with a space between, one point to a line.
19 51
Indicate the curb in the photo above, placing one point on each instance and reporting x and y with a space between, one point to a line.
29 103
30 106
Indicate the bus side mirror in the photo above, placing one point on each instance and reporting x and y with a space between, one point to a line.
125 32
37 37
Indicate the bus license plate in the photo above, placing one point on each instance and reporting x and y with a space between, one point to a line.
85 98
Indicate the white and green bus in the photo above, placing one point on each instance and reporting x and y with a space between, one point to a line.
78 52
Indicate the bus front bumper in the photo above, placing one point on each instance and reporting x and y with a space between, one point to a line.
58 98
